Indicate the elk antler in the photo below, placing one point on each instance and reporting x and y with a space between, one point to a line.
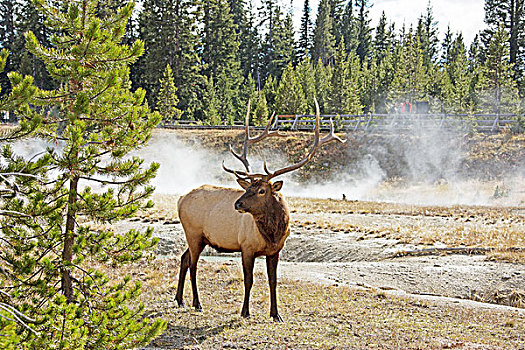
248 141
318 142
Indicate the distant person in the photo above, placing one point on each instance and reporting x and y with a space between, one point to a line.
406 107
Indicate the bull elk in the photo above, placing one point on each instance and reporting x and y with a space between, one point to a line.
255 222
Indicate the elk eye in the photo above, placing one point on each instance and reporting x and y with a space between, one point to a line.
262 191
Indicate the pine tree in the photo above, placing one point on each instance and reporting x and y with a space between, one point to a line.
322 78
210 113
337 9
250 47
30 19
500 94
445 47
270 92
290 97
305 76
410 80
324 38
457 70
363 30
381 40
344 89
282 45
257 98
95 121
305 31
427 31
13 184
512 14
221 57
169 31
7 36
167 99
348 28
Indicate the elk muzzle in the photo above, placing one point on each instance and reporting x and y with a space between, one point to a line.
239 206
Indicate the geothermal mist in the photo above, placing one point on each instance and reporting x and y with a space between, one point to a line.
431 162
430 166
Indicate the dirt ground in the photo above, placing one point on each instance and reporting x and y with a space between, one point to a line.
367 247
353 275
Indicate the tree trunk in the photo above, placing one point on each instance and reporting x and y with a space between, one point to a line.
69 240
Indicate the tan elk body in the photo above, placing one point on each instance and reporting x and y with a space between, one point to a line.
233 231
254 222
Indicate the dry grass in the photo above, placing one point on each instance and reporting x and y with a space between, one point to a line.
316 316
499 227
454 226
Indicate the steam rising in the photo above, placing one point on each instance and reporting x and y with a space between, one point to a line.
428 170
425 167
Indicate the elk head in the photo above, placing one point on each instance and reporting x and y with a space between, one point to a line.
259 189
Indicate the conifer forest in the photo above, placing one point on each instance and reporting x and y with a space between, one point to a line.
203 60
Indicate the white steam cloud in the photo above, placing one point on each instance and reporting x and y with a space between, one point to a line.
428 169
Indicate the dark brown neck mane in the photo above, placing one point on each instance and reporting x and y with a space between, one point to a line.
273 224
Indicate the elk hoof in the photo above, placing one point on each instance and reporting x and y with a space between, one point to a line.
278 318
181 303
198 308
245 314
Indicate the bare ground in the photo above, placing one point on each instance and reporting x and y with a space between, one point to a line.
342 261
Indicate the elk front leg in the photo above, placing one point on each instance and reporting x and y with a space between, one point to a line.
184 265
271 269
248 261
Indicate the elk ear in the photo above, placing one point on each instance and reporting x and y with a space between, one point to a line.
276 186
244 184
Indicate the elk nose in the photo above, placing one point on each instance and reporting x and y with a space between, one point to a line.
238 205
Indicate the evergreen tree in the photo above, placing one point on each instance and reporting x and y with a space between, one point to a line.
344 89
324 39
210 114
30 19
270 92
363 30
512 14
337 9
257 98
348 28
282 45
500 93
410 80
305 76
381 40
221 57
250 47
169 31
267 18
10 316
427 31
290 97
95 121
445 47
322 78
167 99
7 36
305 31
457 70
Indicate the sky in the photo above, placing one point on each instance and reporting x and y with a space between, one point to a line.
464 16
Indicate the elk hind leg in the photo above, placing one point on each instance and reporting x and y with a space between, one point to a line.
184 265
195 252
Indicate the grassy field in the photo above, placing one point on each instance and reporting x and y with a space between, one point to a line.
316 316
